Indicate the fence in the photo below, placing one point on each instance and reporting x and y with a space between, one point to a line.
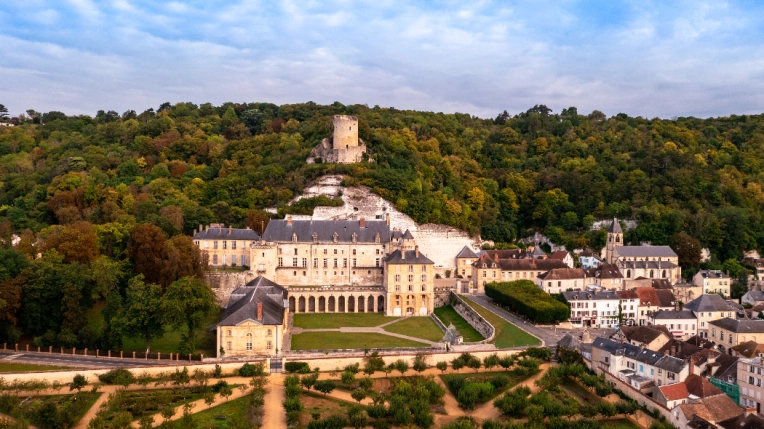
29 348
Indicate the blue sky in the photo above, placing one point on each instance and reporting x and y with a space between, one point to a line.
643 58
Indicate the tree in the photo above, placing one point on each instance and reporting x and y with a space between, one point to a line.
143 315
189 301
324 386
146 249
442 366
184 259
358 394
348 378
420 364
401 366
3 112
76 242
257 220
78 382
687 248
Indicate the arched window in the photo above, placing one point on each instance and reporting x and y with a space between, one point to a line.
628 274
664 274
249 342
651 273
617 238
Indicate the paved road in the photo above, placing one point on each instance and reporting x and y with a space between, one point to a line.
550 335
79 361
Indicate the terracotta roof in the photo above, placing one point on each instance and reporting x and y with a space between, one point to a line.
559 254
675 391
563 274
662 283
642 334
713 409
627 294
700 387
749 349
751 421
655 297
681 349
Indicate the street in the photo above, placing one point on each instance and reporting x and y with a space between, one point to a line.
79 360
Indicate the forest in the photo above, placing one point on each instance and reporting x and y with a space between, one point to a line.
105 203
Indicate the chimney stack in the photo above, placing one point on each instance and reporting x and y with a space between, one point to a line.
363 222
692 366
387 219
403 253
416 250
207 228
289 220
259 311
230 229
200 227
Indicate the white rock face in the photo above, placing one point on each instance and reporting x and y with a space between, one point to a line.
440 243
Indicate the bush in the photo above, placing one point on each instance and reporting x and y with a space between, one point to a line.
293 417
118 376
380 424
463 422
500 381
292 404
220 385
524 297
296 366
250 370
474 393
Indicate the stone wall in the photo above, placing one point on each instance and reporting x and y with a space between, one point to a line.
223 283
473 318
442 296
634 394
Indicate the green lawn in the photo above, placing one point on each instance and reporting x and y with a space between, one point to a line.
343 340
448 315
6 367
169 343
507 334
419 327
340 320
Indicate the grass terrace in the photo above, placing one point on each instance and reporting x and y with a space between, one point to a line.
448 315
507 334
418 326
15 367
344 340
340 320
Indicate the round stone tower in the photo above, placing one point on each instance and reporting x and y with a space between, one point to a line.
345 132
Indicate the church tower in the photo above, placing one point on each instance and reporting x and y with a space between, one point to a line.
614 239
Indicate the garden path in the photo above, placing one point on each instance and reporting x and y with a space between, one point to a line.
372 329
91 413
488 411
274 415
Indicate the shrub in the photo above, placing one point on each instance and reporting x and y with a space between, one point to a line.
464 422
500 381
296 366
293 417
218 371
376 411
250 370
542 353
118 376
220 385
324 386
474 393
524 297
335 422
308 380
380 424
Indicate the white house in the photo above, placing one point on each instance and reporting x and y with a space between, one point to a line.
595 309
559 280
682 324
564 256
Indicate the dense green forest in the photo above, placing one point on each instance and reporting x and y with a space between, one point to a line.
119 194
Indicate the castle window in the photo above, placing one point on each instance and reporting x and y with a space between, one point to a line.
353 252
411 288
424 277
376 263
335 251
233 259
411 277
228 346
233 245
295 251
377 251
335 263
326 263
397 288
294 273
229 332
294 262
215 259
411 268
269 345
354 262
249 341
325 251
315 262
215 245
397 277
344 262
424 288
304 262
225 245
424 268
281 262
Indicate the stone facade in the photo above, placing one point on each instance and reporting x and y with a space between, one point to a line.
344 147
472 317
225 246
250 338
409 284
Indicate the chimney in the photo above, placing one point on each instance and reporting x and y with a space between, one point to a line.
403 254
289 220
665 352
200 227
673 350
416 250
363 222
387 219
692 366
207 228
230 229
259 311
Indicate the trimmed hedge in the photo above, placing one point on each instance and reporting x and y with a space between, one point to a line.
524 297
301 367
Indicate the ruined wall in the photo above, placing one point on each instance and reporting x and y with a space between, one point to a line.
442 296
473 317
223 283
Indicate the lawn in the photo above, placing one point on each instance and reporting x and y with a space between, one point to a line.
6 367
343 340
340 320
169 343
507 334
419 327
448 316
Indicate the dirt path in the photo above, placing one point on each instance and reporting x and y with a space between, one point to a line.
91 413
274 415
488 411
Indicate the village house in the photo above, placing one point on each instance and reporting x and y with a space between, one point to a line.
681 323
650 337
487 270
464 260
713 281
753 297
748 349
225 246
629 363
729 332
708 308
607 276
593 309
651 299
564 256
558 280
588 259
750 376
409 283
254 320
709 407
686 291
629 306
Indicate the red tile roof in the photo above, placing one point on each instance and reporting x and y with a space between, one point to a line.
672 392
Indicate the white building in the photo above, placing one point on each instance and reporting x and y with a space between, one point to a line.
713 281
682 324
559 280
593 309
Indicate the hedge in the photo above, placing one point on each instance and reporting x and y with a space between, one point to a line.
524 297
301 367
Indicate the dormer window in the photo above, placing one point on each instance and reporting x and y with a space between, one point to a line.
315 237
355 236
334 237
294 237
376 238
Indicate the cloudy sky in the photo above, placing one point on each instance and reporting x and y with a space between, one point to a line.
676 58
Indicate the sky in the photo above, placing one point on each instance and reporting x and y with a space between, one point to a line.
644 58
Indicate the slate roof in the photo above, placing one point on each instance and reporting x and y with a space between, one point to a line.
682 349
569 342
756 295
466 252
713 409
646 252
709 302
727 370
537 252
590 296
713 274
606 344
608 271
261 290
650 265
559 254
741 326
673 314
615 227
223 233
642 334
519 264
281 230
407 257
675 391
700 387
507 254
563 274
670 363
749 349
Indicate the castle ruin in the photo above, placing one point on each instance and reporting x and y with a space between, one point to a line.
344 146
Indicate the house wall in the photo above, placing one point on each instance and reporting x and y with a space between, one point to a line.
266 339
407 292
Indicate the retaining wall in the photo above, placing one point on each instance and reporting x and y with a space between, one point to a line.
473 318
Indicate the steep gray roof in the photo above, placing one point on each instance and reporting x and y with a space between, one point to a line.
670 363
709 302
644 251
408 235
673 314
713 274
409 257
756 295
740 326
281 230
606 344
260 290
590 296
466 252
569 342
650 265
538 252
222 233
615 227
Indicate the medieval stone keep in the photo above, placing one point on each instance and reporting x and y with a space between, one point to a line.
344 146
